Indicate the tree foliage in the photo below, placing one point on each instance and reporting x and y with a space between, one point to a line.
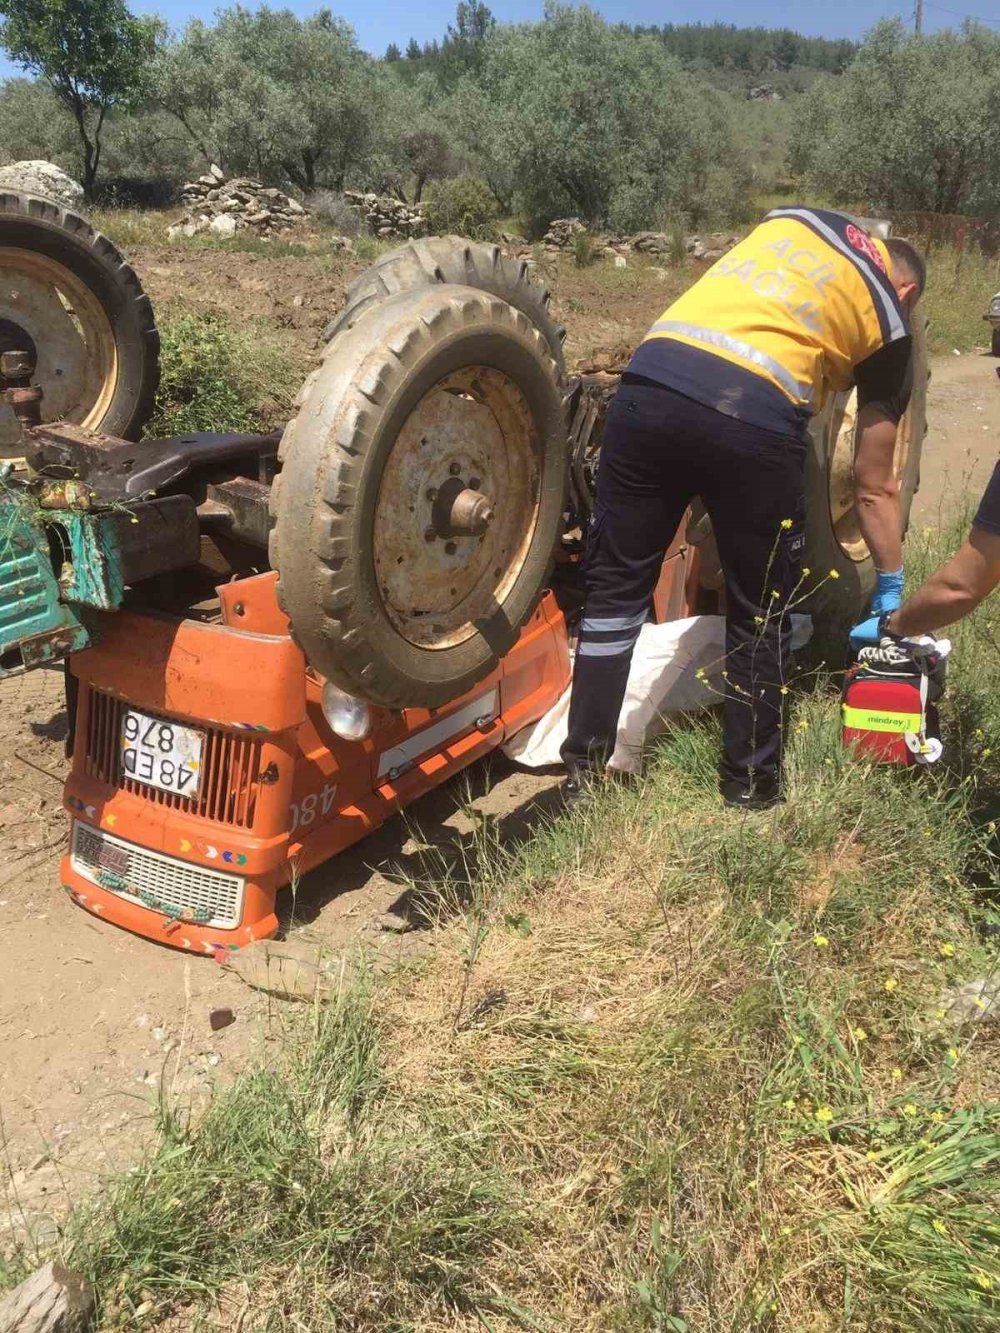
601 123
93 54
911 125
267 92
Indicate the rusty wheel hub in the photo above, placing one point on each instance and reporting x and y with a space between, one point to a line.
46 311
457 507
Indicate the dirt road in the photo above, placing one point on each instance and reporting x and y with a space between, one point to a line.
93 1020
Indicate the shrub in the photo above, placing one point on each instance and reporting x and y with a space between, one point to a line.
217 377
332 208
463 206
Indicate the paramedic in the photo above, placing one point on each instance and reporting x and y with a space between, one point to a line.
715 404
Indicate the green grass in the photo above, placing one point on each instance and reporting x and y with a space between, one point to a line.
220 376
959 287
668 1068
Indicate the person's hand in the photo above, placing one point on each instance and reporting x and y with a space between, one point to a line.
868 633
888 592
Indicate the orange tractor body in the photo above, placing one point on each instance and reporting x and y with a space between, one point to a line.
278 793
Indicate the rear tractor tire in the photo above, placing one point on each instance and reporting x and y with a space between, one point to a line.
69 299
451 259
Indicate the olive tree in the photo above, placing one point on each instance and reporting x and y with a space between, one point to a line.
94 55
911 125
268 92
600 122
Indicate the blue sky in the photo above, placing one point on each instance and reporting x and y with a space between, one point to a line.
380 23
377 24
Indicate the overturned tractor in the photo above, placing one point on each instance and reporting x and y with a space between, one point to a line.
276 642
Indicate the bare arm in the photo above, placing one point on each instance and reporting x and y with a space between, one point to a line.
876 488
955 589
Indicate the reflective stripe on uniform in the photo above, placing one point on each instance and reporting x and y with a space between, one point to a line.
592 648
725 342
599 624
897 328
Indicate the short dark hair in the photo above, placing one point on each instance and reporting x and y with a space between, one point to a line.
906 255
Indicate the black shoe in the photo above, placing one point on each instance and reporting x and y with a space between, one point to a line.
759 796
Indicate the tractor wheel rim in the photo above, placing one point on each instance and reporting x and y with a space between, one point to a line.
470 446
58 318
843 501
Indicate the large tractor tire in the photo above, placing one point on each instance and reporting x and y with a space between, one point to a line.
834 545
421 494
450 259
69 299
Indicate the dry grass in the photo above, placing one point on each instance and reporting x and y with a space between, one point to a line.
668 1068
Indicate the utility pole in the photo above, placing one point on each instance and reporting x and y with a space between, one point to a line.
918 17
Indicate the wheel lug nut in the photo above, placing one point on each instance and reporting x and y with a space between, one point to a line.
429 533
474 483
455 469
431 492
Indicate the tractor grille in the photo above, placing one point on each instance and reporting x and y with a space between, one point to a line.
174 888
230 780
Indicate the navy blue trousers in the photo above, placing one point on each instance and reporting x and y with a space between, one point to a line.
660 450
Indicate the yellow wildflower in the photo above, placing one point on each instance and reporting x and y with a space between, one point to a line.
786 523
926 1143
786 1231
806 572
939 1227
860 1034
983 1279
946 949
758 620
890 984
980 1002
953 1054
987 752
789 1103
909 1109
871 1155
897 1074
784 689
834 574
937 1117
820 941
824 1114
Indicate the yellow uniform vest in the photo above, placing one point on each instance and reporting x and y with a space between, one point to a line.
799 303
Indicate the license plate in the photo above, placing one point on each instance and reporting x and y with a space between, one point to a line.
161 754
113 858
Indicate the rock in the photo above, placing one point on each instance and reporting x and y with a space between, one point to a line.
387 217
972 1002
223 207
216 172
223 225
221 1018
290 969
44 178
620 261
52 1300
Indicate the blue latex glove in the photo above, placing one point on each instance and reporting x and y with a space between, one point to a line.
865 634
888 592
888 597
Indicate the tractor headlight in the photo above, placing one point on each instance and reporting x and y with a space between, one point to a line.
995 306
349 718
